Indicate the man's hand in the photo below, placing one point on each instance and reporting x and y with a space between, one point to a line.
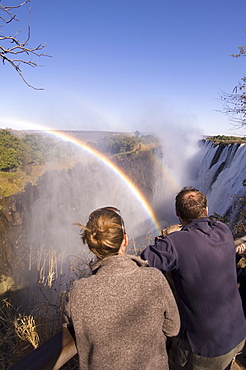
170 229
240 245
240 249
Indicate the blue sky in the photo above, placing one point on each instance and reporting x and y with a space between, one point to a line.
147 65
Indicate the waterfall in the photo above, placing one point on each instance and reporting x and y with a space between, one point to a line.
220 176
46 212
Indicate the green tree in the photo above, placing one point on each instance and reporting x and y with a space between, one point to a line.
119 144
9 159
41 148
149 139
13 152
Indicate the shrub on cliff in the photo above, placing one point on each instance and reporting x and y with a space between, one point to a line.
33 149
41 148
13 151
116 144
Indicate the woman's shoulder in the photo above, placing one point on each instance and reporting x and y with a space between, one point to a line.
144 267
154 272
151 272
82 283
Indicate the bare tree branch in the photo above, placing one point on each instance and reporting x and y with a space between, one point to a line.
234 103
7 9
8 53
242 51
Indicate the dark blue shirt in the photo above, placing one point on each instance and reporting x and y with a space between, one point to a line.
202 259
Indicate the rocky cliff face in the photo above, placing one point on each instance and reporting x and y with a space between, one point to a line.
42 217
142 169
43 214
14 212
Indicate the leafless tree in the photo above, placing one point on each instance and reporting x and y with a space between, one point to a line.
235 102
13 51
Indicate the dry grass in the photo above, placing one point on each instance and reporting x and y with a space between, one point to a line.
23 329
12 348
26 329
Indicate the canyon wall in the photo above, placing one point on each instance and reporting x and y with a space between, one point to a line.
37 225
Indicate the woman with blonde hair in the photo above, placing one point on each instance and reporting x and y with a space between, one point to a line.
123 312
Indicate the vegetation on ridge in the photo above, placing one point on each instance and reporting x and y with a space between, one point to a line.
22 158
227 139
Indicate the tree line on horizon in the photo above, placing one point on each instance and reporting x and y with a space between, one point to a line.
37 149
227 139
32 149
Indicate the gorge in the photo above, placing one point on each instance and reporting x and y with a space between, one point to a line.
41 252
39 240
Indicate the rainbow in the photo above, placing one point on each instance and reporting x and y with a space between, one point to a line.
133 188
129 183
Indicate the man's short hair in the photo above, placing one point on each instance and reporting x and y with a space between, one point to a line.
191 204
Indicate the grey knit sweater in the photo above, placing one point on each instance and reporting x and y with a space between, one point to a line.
121 316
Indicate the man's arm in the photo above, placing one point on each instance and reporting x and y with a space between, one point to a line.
161 255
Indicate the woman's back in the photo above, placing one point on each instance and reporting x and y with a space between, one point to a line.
123 312
119 315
